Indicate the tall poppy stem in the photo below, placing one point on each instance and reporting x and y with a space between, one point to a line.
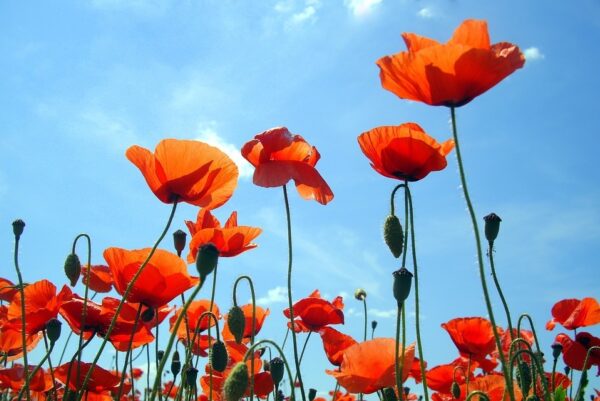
499 289
364 302
398 366
289 285
86 291
253 297
29 376
128 353
250 351
486 295
125 295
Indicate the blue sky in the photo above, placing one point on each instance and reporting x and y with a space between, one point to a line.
82 81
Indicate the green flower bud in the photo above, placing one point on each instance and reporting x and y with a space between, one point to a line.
312 393
373 324
402 283
175 363
218 356
492 226
556 350
191 375
53 330
73 268
237 323
455 390
206 260
360 294
393 235
179 240
389 394
277 370
160 354
406 390
524 377
236 383
18 227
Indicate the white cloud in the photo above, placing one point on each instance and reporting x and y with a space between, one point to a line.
426 12
274 295
361 7
209 135
383 314
533 53
308 14
150 8
297 13
284 6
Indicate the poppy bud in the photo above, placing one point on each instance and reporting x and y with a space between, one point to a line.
406 390
160 354
53 330
455 390
175 363
567 370
533 397
280 396
148 315
402 282
312 393
69 395
277 370
237 323
206 260
266 366
393 235
389 394
236 383
18 227
373 324
191 375
556 350
218 356
73 268
524 377
360 294
179 240
492 226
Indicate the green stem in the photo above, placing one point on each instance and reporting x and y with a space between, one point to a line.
535 363
398 365
250 351
251 285
29 376
50 365
364 301
531 326
125 295
23 318
481 395
128 353
486 295
584 370
87 286
499 289
289 285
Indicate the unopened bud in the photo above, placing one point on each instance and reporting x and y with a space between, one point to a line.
206 260
160 354
179 240
175 363
73 268
277 370
218 356
402 283
406 390
373 324
312 393
18 227
455 390
393 235
492 226
53 330
389 394
360 294
191 375
148 315
236 383
556 350
567 370
237 323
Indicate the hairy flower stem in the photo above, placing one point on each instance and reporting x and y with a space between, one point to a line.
125 295
250 351
486 295
128 353
50 366
583 378
251 285
29 376
23 317
499 289
364 302
86 291
399 364
289 285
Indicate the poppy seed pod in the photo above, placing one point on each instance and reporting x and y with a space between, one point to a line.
277 370
389 394
175 363
53 330
206 260
556 350
237 323
218 356
492 226
236 383
312 393
402 283
18 227
73 268
191 375
455 390
393 235
179 240
360 294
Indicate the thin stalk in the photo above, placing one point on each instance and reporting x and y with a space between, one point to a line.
531 326
584 370
289 285
50 366
250 351
212 301
128 353
398 366
481 395
486 295
29 376
147 371
125 295
499 289
535 364
252 333
86 291
364 302
23 318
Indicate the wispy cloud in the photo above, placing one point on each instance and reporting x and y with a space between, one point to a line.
426 13
208 134
533 53
297 13
360 8
274 295
148 8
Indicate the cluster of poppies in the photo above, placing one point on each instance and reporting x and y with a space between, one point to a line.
149 280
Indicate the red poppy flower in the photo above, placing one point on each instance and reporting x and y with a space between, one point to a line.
261 315
441 377
101 380
574 313
574 352
335 343
14 378
280 157
187 171
42 303
404 152
493 385
474 338
11 340
230 240
450 74
100 278
369 366
164 277
7 290
196 325
313 313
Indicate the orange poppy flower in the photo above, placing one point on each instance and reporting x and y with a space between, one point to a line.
493 385
313 313
187 171
369 366
7 290
164 277
100 277
195 325
261 315
230 240
14 378
450 74
474 338
42 303
574 313
404 152
335 343
101 381
11 341
441 377
574 352
280 157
